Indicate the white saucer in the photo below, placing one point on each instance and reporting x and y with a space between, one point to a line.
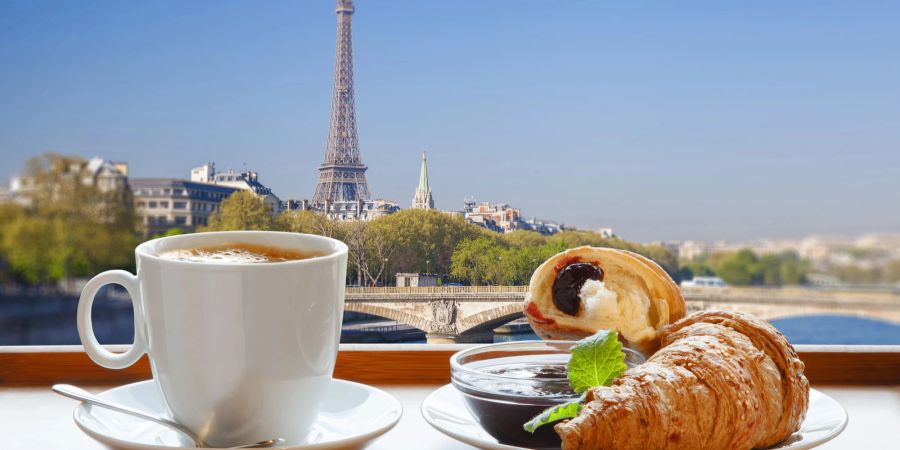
445 410
352 416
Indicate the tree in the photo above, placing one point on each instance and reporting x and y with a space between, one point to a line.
68 225
525 238
303 221
242 210
424 240
174 231
693 269
741 269
745 268
478 260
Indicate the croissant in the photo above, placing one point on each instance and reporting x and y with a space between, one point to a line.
579 291
722 380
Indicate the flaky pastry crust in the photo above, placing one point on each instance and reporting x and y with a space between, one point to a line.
623 272
722 380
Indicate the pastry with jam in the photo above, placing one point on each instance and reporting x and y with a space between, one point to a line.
585 289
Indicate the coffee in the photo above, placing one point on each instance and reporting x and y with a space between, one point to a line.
238 254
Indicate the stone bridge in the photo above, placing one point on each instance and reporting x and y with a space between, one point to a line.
469 313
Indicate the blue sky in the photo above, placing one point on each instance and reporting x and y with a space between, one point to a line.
663 120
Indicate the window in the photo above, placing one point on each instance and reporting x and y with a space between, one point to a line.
736 229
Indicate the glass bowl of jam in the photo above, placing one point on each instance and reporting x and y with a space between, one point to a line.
505 385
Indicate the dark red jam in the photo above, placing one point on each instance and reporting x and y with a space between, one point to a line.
503 406
568 284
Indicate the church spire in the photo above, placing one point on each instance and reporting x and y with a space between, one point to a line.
423 175
423 199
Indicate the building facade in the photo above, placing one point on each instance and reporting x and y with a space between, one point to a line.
416 279
358 210
105 175
165 203
503 218
247 180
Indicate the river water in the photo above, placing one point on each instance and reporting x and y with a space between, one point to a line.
822 330
50 320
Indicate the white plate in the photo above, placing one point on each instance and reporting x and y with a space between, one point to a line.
445 410
353 415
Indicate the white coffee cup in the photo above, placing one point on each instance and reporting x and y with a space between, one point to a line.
240 352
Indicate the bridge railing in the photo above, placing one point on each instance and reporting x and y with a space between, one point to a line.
438 290
700 294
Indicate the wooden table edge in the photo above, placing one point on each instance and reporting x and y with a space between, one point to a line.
412 364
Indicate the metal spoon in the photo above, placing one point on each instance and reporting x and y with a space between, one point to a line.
77 393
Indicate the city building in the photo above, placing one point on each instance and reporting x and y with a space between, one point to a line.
499 215
105 175
247 180
423 199
502 218
358 210
165 203
416 279
545 227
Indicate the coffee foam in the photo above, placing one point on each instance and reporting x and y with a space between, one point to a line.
236 254
232 256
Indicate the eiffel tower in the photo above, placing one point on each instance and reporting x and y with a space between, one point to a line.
342 177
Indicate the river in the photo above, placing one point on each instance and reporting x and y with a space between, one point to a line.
822 330
50 320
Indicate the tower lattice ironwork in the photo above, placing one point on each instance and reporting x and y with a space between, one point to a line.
342 177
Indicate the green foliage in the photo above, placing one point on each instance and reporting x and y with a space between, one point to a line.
424 240
483 261
744 268
740 270
854 274
301 221
174 231
525 238
479 261
66 227
561 411
693 269
242 210
596 361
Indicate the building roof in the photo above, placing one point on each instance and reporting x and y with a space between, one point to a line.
137 183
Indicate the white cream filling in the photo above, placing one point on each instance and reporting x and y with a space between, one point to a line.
627 313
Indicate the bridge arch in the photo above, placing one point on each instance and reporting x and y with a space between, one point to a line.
394 314
489 319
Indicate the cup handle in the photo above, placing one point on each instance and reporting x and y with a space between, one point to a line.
97 353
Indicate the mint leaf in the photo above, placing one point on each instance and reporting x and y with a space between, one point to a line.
562 411
596 361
